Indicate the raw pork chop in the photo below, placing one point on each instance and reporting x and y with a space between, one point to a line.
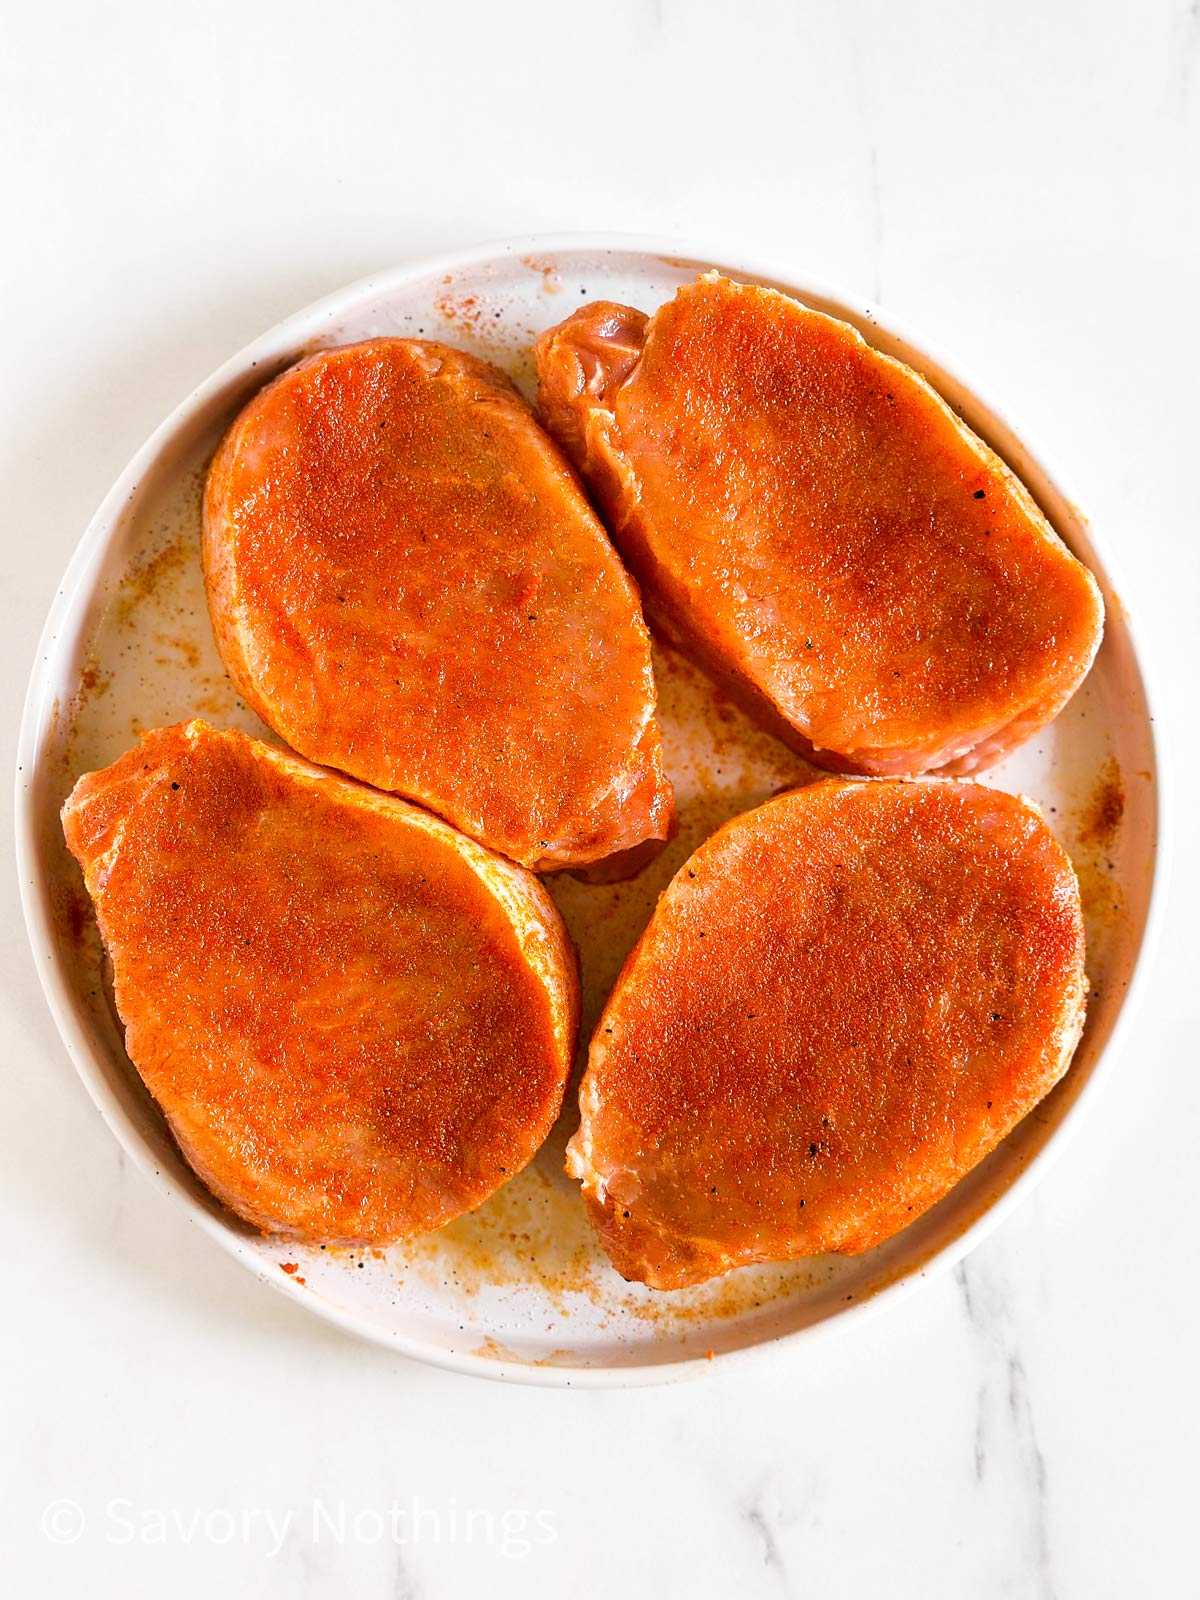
357 1022
844 1000
407 583
816 525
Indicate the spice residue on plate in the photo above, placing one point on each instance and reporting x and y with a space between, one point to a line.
146 580
1093 830
550 275
1101 814
484 326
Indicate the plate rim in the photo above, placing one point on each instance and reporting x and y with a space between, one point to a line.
57 990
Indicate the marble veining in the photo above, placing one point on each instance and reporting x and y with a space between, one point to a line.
1006 1451
761 1522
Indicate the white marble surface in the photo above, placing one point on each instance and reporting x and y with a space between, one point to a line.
1022 184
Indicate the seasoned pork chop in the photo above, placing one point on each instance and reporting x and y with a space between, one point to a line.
818 528
357 1022
844 1000
407 583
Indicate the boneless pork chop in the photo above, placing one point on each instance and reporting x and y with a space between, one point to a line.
844 1000
407 583
357 1022
817 526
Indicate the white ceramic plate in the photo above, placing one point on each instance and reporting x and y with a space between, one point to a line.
518 1289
